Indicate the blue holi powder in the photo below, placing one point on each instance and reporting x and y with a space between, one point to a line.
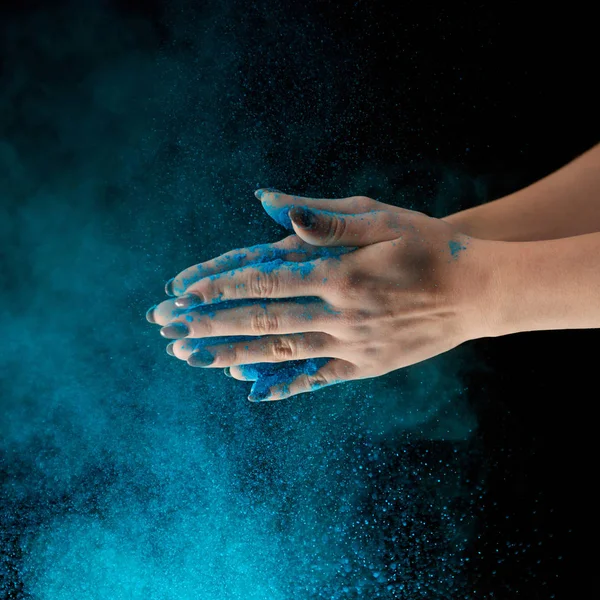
279 214
126 474
302 269
268 260
265 374
455 248
264 253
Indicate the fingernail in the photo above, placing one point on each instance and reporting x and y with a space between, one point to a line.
150 314
170 349
201 358
175 331
227 371
169 287
303 217
188 300
259 193
258 396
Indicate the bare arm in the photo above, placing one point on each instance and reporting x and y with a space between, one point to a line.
552 284
563 204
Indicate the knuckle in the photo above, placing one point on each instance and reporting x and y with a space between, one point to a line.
364 203
287 243
261 322
336 229
344 371
352 318
263 285
212 290
283 349
372 352
347 284
317 380
318 341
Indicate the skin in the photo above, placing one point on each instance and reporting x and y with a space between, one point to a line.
413 288
566 203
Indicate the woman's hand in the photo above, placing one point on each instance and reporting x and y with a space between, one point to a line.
413 288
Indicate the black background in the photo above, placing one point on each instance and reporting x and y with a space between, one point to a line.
501 95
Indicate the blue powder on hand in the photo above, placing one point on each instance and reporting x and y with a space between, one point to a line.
264 374
455 248
279 213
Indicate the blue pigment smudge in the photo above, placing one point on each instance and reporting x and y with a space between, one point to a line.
279 214
455 248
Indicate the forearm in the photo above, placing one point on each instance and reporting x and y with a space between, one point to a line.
563 204
546 285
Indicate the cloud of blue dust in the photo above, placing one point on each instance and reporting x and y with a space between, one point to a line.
129 151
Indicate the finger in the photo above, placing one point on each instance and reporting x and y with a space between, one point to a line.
240 373
257 319
333 371
291 248
267 375
182 349
249 372
273 372
257 371
277 204
327 228
275 279
168 311
268 349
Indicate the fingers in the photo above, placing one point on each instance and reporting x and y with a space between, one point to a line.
291 248
182 349
275 279
332 372
241 373
268 349
249 319
277 204
325 228
265 371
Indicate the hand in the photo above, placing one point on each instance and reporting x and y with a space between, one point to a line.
413 289
264 375
276 205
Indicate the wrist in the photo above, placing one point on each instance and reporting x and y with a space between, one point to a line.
545 285
513 295
478 283
513 289
500 297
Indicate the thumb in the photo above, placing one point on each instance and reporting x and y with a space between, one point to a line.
273 201
325 228
277 204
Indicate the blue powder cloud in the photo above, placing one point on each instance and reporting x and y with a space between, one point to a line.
128 152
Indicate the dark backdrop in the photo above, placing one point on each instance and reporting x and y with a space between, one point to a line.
132 135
